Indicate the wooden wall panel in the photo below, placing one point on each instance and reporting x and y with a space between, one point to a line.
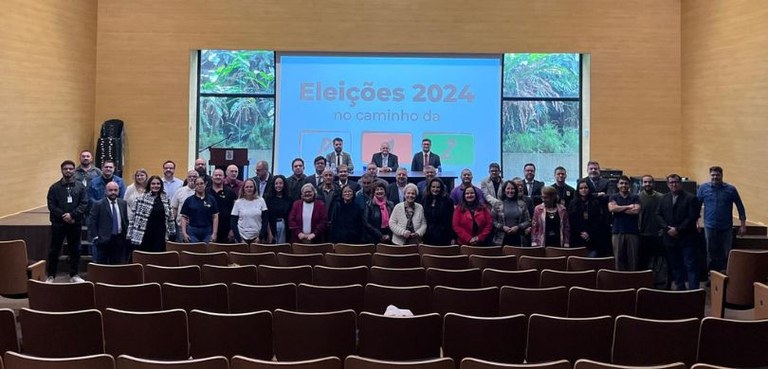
47 85
724 84
144 45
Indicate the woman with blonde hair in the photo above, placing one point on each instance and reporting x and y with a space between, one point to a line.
136 189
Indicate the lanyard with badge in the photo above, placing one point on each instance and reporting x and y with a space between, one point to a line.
69 195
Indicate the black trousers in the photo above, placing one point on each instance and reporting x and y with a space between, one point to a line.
60 231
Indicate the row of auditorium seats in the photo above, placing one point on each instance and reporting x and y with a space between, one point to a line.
409 260
104 361
288 336
345 248
488 301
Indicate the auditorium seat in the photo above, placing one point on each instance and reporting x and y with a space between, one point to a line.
425 249
592 364
396 260
589 302
397 249
733 343
60 296
304 248
645 342
350 248
503 262
274 248
227 247
158 335
418 299
519 300
198 247
761 301
165 258
332 276
735 288
9 340
578 263
619 280
554 278
565 251
135 297
481 250
398 276
246 274
480 302
188 275
317 299
359 362
213 334
517 278
202 258
61 334
453 262
347 260
131 362
241 362
291 260
247 298
459 278
400 338
14 268
524 251
304 336
271 275
471 363
559 338
116 274
661 304
256 259
209 297
498 339
542 262
15 360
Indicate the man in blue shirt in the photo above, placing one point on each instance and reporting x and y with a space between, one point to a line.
718 198
625 208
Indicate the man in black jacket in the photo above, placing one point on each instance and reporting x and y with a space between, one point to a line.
677 214
67 203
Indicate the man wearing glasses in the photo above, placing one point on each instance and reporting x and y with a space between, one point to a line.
677 214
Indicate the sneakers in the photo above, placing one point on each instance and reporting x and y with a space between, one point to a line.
49 279
76 279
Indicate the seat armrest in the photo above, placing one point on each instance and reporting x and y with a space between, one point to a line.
761 300
719 282
36 271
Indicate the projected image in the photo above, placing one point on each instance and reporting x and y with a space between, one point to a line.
320 143
400 144
455 149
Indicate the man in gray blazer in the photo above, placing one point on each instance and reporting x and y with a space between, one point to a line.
107 225
338 157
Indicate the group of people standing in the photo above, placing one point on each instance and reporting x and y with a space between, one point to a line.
328 207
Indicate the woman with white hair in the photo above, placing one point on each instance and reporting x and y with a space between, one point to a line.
307 220
407 222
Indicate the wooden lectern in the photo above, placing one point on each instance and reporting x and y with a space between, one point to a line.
222 158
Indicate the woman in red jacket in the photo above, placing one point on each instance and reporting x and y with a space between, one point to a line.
471 220
307 220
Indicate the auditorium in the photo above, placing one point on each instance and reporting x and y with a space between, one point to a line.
661 87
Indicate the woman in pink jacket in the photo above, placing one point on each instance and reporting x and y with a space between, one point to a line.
549 223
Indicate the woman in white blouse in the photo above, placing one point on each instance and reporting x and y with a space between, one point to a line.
407 221
247 214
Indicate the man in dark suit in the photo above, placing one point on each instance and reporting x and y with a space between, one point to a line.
532 187
677 214
317 178
385 161
107 225
425 157
396 189
601 189
344 179
263 178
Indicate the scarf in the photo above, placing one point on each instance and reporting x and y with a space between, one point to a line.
384 212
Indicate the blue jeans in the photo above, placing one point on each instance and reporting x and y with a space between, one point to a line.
199 234
682 262
281 235
719 243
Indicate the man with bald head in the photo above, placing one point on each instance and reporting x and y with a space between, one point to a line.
202 171
107 225
263 177
386 161
231 181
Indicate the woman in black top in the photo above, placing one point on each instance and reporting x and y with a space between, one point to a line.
376 216
279 205
152 221
438 210
347 225
586 216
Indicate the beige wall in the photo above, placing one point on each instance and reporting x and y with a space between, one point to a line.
144 46
724 84
47 85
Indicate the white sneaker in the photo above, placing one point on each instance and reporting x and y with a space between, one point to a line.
76 279
49 280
